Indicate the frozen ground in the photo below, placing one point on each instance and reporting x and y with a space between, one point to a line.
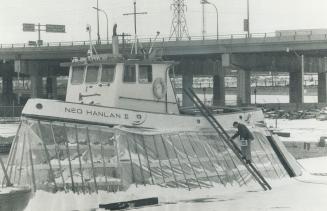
308 130
307 192
7 130
231 99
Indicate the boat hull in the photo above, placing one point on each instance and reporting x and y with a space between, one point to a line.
99 115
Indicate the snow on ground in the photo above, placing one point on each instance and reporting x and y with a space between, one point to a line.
7 130
307 192
308 130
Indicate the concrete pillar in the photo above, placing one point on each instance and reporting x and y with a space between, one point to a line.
244 87
296 90
36 82
322 87
7 85
187 81
219 86
51 87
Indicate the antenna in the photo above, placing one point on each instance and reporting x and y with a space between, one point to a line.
135 31
178 25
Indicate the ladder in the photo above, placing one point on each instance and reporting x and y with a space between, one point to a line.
225 137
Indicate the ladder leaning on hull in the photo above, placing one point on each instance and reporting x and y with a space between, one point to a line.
223 134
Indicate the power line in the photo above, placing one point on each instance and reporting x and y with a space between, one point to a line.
178 25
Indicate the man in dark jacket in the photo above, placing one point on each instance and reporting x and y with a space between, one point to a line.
245 138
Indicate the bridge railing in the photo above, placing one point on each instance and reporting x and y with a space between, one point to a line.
255 37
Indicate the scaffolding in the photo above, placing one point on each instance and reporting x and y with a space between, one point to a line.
60 156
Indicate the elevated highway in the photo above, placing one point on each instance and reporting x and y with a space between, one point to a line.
315 45
295 54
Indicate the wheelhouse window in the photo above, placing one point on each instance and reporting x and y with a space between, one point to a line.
77 75
129 73
145 74
108 73
92 74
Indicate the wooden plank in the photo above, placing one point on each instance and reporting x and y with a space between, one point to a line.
91 156
79 159
130 204
47 154
57 150
68 158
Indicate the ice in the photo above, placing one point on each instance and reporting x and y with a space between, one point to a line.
7 130
307 130
303 193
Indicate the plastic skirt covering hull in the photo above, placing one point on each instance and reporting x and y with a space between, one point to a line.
58 156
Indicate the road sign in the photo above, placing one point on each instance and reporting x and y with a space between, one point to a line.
28 27
55 28
32 43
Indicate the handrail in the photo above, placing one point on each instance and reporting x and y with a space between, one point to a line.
265 37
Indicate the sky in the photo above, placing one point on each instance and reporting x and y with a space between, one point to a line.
265 16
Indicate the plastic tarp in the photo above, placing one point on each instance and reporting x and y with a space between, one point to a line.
58 156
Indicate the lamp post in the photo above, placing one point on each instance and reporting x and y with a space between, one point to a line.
98 30
248 17
207 2
106 19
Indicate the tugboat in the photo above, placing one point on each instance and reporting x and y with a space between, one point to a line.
133 91
121 125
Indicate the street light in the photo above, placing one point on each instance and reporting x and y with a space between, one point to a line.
106 19
207 2
98 31
248 17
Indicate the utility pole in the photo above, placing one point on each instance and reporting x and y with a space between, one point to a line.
135 29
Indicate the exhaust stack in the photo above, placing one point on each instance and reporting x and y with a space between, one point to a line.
115 42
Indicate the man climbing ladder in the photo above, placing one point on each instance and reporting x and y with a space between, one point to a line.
245 138
225 137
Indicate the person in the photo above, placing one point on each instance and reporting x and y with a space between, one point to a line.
245 138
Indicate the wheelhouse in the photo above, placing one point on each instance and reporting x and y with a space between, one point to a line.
132 84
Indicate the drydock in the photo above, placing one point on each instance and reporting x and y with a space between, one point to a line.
121 125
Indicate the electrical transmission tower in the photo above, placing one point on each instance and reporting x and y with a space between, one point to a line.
178 25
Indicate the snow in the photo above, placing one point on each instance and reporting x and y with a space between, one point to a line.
307 130
302 193
7 130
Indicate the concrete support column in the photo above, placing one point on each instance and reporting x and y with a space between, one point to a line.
51 87
219 86
322 87
187 81
244 87
296 90
36 83
7 85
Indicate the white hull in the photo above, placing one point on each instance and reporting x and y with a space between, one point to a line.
99 115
